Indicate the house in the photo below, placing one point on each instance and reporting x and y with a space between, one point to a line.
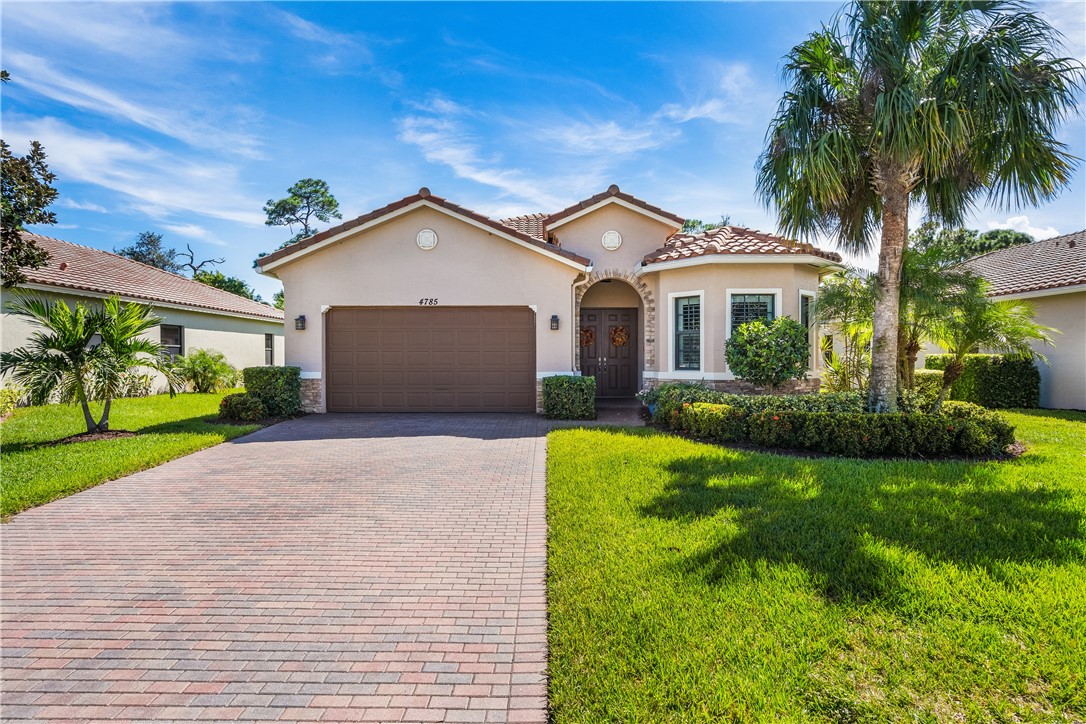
423 305
1052 275
194 315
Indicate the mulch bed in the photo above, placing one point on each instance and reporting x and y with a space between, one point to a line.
91 437
263 422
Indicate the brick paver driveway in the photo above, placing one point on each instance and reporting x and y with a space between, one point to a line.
335 567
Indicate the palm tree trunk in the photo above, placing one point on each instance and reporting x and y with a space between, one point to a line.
951 374
103 424
88 418
882 387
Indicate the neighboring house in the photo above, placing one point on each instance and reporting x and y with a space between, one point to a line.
424 305
1052 275
194 315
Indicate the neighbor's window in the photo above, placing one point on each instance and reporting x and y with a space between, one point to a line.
688 333
173 339
748 307
269 349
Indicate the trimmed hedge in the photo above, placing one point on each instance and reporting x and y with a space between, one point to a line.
242 407
569 397
720 423
890 434
279 389
993 380
833 423
673 395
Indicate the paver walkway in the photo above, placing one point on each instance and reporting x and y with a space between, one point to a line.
335 567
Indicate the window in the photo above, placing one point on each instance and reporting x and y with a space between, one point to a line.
173 339
748 307
688 333
269 349
806 310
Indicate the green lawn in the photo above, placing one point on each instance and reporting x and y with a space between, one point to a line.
688 582
34 474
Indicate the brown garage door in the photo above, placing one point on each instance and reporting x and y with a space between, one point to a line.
431 359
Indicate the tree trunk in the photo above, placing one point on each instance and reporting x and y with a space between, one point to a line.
951 374
103 424
912 351
88 418
882 387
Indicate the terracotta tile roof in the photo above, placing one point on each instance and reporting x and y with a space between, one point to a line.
732 240
530 224
76 267
612 191
424 193
1048 264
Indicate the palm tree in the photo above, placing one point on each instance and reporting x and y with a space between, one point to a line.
80 354
932 287
1005 327
846 301
942 103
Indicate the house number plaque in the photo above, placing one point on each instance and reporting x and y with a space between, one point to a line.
428 302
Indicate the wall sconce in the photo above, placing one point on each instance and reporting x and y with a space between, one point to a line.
299 322
554 321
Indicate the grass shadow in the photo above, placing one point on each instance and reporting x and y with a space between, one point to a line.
848 522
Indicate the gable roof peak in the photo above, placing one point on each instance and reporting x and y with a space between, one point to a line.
613 193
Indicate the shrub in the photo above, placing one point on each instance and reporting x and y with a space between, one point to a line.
673 395
926 386
720 423
982 432
11 397
569 397
278 388
242 407
768 354
206 370
894 434
136 384
993 380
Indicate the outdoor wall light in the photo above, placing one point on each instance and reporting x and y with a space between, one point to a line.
554 321
299 322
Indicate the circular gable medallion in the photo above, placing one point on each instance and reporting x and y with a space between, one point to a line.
611 240
427 239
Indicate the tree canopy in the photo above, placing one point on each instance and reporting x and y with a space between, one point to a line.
945 104
150 249
26 190
309 200
234 285
957 245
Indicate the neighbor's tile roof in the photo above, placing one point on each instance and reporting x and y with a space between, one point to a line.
1048 264
424 193
530 224
76 267
732 240
612 191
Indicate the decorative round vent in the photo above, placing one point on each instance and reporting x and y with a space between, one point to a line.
612 240
427 239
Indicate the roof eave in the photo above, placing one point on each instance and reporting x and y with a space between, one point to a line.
811 259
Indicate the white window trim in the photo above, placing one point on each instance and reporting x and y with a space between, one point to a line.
671 297
812 333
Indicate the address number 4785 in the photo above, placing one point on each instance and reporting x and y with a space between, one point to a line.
428 302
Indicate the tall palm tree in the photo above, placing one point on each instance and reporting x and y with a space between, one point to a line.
940 103
1005 327
81 354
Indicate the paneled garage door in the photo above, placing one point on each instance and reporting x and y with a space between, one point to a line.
430 359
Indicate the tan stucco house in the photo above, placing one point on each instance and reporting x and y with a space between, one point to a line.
423 305
1051 274
194 315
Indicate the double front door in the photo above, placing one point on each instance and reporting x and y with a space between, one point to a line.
609 345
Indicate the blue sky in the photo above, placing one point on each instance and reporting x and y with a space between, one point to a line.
186 118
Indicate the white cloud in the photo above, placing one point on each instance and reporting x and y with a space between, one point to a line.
194 231
42 77
729 97
1070 19
604 137
443 142
159 183
1022 223
81 206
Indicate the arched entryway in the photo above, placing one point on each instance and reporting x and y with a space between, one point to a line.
613 335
